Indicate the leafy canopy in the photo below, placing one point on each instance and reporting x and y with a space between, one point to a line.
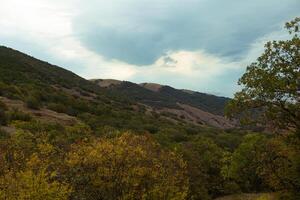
271 85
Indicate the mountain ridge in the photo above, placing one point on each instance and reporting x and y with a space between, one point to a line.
28 79
166 91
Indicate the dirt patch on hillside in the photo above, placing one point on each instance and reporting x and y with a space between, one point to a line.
199 117
106 82
151 86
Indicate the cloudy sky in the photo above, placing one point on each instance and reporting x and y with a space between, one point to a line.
202 45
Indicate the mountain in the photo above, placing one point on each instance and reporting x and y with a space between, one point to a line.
33 85
190 106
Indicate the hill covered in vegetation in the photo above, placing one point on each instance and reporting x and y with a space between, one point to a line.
188 106
64 137
43 85
161 96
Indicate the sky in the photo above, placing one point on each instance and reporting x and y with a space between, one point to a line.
202 45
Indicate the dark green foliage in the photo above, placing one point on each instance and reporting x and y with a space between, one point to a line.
18 68
270 96
3 117
18 115
60 108
204 166
33 103
271 85
245 162
3 134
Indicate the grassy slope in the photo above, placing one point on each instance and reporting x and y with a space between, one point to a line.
19 68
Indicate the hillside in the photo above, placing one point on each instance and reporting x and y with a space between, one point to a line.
190 106
157 95
116 104
18 68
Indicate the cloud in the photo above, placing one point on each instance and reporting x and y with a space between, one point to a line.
202 71
194 44
140 31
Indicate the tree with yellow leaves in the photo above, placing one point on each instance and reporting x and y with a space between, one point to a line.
127 167
34 181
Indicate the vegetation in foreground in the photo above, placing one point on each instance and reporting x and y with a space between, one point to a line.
86 160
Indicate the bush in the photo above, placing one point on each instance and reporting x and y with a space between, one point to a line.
126 167
3 134
32 185
3 117
16 114
57 107
33 103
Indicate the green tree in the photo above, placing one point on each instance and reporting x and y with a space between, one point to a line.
244 165
279 165
271 85
204 161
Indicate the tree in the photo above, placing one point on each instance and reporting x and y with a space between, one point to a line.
271 85
25 174
126 167
245 163
203 158
32 185
280 165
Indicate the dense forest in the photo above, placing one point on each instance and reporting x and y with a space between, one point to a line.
63 137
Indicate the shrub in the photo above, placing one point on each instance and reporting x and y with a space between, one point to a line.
16 114
33 103
3 134
126 167
3 117
57 107
32 185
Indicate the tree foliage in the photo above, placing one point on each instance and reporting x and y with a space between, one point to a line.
32 185
271 85
245 163
127 167
204 161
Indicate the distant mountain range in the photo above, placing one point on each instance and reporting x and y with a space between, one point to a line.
23 77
